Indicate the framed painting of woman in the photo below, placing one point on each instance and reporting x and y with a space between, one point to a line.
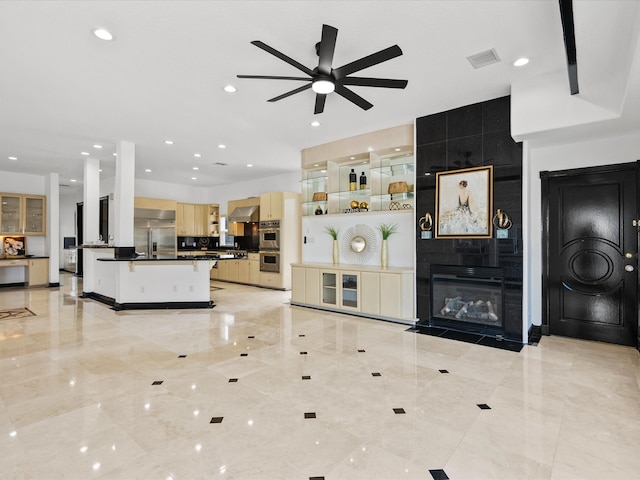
464 202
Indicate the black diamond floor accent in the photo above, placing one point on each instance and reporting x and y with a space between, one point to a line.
251 336
233 380
302 335
310 415
399 411
438 475
443 371
182 356
376 374
244 354
360 351
316 478
484 406
216 419
303 353
306 377
157 382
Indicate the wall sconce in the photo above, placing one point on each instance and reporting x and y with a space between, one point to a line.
426 224
503 223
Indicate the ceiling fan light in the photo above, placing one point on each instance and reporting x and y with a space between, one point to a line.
323 86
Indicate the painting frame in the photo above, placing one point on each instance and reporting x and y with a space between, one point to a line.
13 246
464 203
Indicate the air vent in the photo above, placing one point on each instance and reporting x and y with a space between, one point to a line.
221 163
483 59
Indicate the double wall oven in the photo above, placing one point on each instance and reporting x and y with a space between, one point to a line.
270 246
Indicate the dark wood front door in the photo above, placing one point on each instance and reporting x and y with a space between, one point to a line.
590 243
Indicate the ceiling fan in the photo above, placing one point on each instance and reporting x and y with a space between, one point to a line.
324 79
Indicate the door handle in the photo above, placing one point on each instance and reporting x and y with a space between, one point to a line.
629 268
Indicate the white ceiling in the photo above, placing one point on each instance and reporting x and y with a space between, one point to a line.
62 90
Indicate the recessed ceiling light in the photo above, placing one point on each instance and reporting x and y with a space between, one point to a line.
316 164
84 153
230 89
323 171
315 123
169 142
398 149
100 170
194 178
197 155
521 62
370 149
114 154
97 146
196 168
148 170
13 158
352 158
103 34
222 146
73 180
249 165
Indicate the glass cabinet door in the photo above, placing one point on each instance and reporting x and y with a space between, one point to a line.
350 295
10 214
329 288
34 215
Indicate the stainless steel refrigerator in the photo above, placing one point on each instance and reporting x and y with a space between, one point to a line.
155 232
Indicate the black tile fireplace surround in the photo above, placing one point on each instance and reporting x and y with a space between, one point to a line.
471 136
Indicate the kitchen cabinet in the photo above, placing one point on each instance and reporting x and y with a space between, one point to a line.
213 220
38 272
361 290
192 219
271 206
223 270
22 214
271 280
235 270
254 268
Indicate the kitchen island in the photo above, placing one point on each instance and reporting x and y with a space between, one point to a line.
150 282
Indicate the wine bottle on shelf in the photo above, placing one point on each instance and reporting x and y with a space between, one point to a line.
363 181
353 179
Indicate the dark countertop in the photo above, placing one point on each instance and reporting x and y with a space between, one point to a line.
167 258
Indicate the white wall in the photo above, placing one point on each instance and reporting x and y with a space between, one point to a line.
604 151
319 244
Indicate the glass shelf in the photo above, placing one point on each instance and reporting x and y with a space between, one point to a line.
395 170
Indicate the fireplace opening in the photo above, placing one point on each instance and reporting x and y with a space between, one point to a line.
468 298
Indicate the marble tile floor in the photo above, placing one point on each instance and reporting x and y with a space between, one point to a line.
256 389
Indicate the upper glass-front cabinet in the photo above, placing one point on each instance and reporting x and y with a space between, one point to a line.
380 180
22 214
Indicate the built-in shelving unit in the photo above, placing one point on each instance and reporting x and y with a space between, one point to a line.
390 179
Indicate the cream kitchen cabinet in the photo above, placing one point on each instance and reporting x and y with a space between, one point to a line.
192 219
271 206
254 268
360 290
22 214
234 270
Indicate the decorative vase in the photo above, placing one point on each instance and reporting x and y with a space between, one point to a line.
384 254
336 253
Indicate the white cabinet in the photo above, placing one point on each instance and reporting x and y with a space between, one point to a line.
370 292
271 206
362 290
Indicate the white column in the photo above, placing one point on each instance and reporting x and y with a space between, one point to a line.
52 245
124 194
91 208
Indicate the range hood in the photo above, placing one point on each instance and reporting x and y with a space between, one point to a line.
245 214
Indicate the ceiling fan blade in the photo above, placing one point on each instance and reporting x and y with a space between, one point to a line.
353 97
374 82
272 77
292 92
320 99
283 57
368 61
327 47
